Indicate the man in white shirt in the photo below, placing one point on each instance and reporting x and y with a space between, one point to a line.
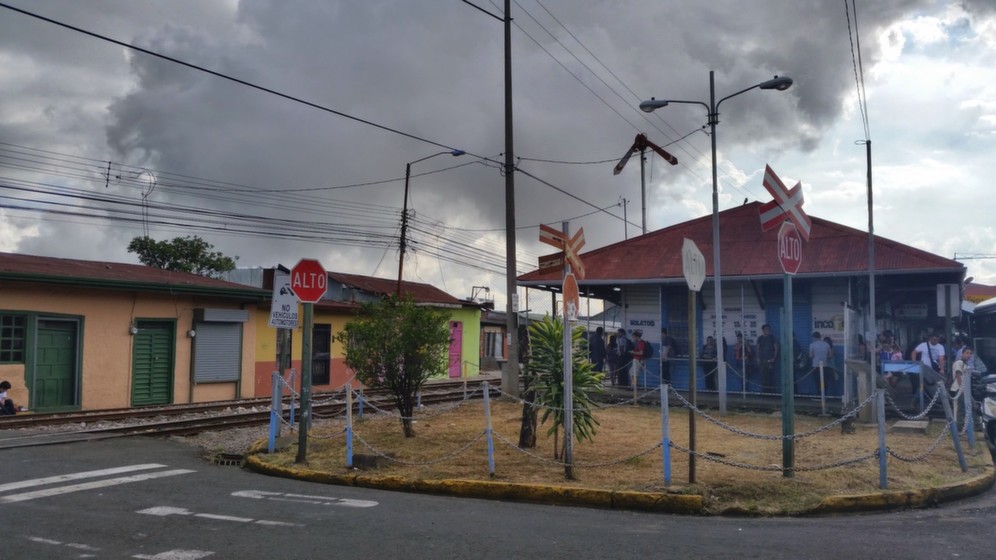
931 354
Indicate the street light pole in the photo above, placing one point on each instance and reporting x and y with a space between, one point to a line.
403 242
777 83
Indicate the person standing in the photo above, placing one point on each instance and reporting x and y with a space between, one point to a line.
596 349
767 357
707 358
669 351
624 350
930 353
639 347
819 355
611 357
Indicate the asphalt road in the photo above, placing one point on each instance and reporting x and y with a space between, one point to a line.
155 499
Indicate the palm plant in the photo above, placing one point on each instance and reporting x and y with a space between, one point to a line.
547 368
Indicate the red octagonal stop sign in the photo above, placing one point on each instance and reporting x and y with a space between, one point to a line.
309 280
789 248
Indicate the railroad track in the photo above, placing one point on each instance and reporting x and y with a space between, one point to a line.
213 416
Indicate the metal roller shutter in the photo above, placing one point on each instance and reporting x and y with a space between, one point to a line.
217 352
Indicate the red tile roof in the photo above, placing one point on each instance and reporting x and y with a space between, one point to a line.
421 293
31 268
747 251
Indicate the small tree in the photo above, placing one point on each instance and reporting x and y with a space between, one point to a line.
397 345
547 368
183 254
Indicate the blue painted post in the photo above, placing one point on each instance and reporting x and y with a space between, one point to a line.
666 434
291 385
946 401
360 399
488 431
349 425
275 401
883 452
966 388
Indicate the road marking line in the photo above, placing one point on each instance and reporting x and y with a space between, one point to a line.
89 486
44 541
176 554
319 500
163 511
75 476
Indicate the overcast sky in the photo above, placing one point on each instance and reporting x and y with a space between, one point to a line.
100 143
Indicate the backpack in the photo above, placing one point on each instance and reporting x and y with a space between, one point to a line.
648 350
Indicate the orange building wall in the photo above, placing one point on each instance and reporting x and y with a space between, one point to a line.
107 344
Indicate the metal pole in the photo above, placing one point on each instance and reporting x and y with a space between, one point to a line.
883 453
302 441
404 228
952 423
568 378
871 283
716 273
666 433
510 379
692 384
488 431
788 379
643 188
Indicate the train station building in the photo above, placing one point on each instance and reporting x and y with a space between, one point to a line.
641 282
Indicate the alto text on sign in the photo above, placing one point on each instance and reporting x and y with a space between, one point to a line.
789 248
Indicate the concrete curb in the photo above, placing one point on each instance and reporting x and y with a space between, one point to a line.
621 499
546 494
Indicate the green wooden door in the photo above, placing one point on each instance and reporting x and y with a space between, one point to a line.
55 364
152 364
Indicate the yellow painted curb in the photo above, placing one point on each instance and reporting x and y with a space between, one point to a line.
903 499
567 495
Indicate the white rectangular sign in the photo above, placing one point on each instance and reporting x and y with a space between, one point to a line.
284 306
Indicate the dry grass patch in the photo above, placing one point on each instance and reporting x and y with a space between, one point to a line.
626 455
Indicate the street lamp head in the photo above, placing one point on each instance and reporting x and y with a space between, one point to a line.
653 104
455 153
777 83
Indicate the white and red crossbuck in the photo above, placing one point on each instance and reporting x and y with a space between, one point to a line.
787 204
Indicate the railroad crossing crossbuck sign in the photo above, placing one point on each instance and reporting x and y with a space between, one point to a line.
569 250
787 204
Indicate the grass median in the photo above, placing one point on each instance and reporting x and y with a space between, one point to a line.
733 473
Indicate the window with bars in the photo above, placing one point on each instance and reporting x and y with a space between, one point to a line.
12 335
677 320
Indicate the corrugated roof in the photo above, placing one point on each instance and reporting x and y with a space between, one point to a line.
32 268
747 251
421 293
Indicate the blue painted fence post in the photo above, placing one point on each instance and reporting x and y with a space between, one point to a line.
275 411
487 430
349 425
291 385
966 388
666 434
883 451
359 397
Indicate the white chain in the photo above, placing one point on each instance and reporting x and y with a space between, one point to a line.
923 457
748 466
922 414
507 442
844 418
462 449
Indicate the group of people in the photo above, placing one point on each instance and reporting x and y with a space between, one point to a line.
932 353
625 357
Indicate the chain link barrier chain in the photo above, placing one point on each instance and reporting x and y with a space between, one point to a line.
425 416
775 468
923 457
850 414
512 445
922 414
447 457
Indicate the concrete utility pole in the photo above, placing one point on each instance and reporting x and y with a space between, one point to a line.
510 377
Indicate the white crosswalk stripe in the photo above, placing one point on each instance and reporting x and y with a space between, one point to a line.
47 492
